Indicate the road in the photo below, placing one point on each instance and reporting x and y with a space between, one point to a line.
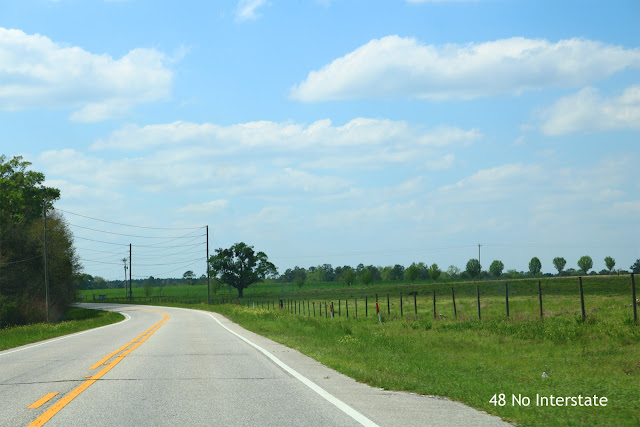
179 367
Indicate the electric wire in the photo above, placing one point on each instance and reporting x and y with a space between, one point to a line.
130 225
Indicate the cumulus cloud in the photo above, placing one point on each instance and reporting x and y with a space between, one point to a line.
396 66
37 72
588 111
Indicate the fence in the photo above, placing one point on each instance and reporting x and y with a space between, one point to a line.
462 302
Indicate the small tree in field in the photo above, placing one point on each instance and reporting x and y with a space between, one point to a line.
496 268
349 276
635 267
535 266
412 272
585 263
367 277
610 263
434 272
559 263
473 267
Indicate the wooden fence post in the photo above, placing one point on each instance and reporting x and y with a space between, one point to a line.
415 303
453 297
506 296
434 303
388 307
540 297
366 306
635 303
584 316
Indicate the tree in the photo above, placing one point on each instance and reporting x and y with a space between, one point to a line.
189 276
366 277
473 267
412 272
453 271
635 267
610 263
434 272
535 266
349 276
496 268
397 272
559 263
585 263
239 266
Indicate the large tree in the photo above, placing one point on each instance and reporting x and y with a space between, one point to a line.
535 266
559 263
585 263
239 266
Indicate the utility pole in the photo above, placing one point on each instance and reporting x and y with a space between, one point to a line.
124 261
207 264
46 259
479 245
130 284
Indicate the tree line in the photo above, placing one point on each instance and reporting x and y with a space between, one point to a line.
23 202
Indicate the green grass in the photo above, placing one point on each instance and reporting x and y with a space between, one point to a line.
75 319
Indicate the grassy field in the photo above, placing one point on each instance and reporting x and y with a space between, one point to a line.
76 319
464 358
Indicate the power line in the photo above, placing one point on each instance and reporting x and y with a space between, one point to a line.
21 261
130 225
132 235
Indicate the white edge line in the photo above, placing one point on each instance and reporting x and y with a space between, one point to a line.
3 353
304 380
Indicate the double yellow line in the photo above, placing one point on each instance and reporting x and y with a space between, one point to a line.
119 354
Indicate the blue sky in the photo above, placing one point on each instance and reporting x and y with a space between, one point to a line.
342 132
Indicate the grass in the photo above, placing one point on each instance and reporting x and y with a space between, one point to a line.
75 319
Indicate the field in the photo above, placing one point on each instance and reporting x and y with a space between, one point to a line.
494 363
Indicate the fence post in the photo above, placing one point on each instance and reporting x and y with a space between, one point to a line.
540 297
339 304
355 303
366 306
388 308
325 310
346 306
453 297
434 303
415 303
633 294
478 295
320 308
314 309
584 316
506 296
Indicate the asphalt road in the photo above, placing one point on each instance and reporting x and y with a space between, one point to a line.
177 367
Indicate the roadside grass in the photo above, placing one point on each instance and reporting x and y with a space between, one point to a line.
471 361
75 319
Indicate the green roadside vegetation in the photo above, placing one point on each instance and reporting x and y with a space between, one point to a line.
75 319
463 358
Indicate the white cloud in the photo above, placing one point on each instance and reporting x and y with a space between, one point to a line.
38 72
397 66
246 10
587 111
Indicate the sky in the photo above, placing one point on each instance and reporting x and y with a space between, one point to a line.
334 131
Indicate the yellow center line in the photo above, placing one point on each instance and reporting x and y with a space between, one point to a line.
41 401
132 345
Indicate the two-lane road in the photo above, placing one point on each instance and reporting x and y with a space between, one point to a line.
170 366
